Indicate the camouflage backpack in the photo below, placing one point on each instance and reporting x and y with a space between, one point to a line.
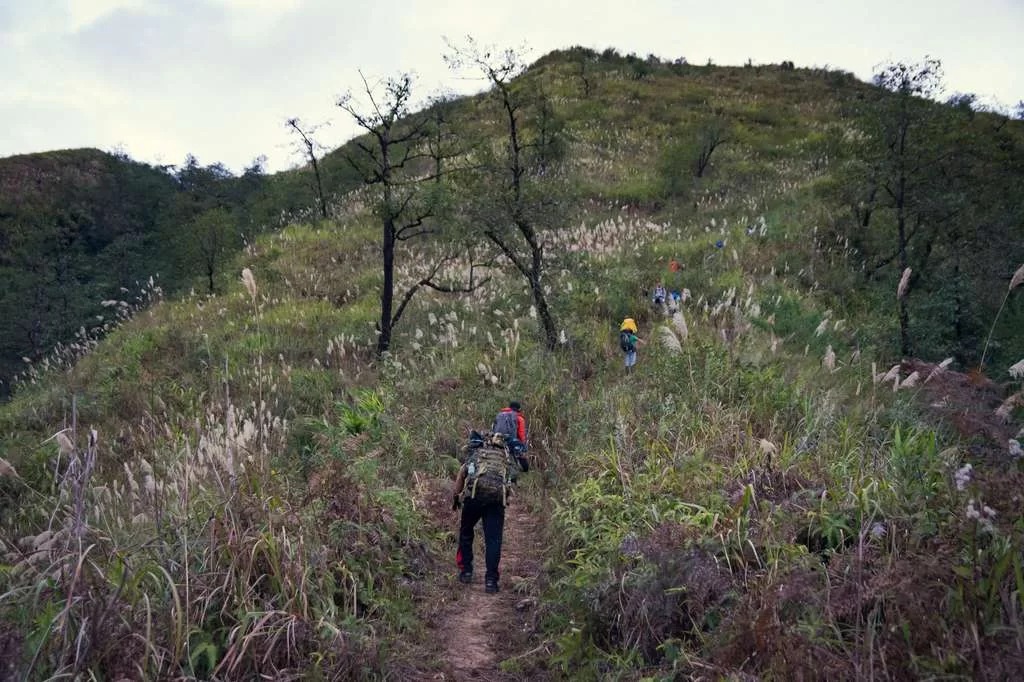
490 470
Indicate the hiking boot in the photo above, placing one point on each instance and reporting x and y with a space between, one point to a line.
491 586
466 577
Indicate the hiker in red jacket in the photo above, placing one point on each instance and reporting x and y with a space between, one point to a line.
511 422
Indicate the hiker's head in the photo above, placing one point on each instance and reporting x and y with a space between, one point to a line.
516 406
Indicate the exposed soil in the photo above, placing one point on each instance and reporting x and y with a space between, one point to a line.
481 630
474 632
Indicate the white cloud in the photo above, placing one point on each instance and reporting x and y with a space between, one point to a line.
82 13
219 77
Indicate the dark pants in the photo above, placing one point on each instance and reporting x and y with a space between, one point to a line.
493 515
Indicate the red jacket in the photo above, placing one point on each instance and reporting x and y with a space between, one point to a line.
520 424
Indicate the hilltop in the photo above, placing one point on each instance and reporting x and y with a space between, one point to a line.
777 491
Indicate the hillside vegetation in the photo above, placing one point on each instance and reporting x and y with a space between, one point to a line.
80 227
793 483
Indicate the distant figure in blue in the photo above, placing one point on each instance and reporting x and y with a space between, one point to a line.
660 296
674 299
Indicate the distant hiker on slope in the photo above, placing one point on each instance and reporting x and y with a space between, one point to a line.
674 266
482 490
628 341
676 299
658 299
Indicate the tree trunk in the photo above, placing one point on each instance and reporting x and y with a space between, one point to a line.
319 185
387 292
869 207
543 312
901 227
548 322
904 315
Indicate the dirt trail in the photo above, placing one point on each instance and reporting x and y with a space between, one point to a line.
471 632
481 630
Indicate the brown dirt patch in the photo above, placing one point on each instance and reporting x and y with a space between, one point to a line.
482 630
473 632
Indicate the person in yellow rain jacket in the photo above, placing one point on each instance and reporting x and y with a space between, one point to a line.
628 341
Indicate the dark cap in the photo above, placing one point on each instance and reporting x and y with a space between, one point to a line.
515 405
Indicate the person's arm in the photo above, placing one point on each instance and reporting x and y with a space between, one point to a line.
460 483
521 428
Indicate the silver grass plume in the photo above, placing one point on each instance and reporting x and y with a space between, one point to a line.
1006 408
1015 281
1018 278
911 380
250 282
939 369
6 469
829 361
670 340
679 322
901 290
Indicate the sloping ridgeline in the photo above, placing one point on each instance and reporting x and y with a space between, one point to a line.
264 495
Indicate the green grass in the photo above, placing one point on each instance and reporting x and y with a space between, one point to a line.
258 501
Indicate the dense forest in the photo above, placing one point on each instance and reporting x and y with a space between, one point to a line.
234 403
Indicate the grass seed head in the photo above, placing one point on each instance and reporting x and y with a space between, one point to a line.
829 361
670 340
6 470
901 290
65 444
1018 278
1006 408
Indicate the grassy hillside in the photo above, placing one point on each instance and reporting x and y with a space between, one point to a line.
79 227
239 486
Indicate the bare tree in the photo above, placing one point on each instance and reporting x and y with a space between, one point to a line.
402 154
309 147
442 139
514 208
713 134
214 237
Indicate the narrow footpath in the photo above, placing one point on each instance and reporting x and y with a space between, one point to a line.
481 630
475 632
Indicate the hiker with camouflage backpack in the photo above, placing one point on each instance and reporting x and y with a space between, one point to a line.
482 490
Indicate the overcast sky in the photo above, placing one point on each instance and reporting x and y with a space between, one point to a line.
161 78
